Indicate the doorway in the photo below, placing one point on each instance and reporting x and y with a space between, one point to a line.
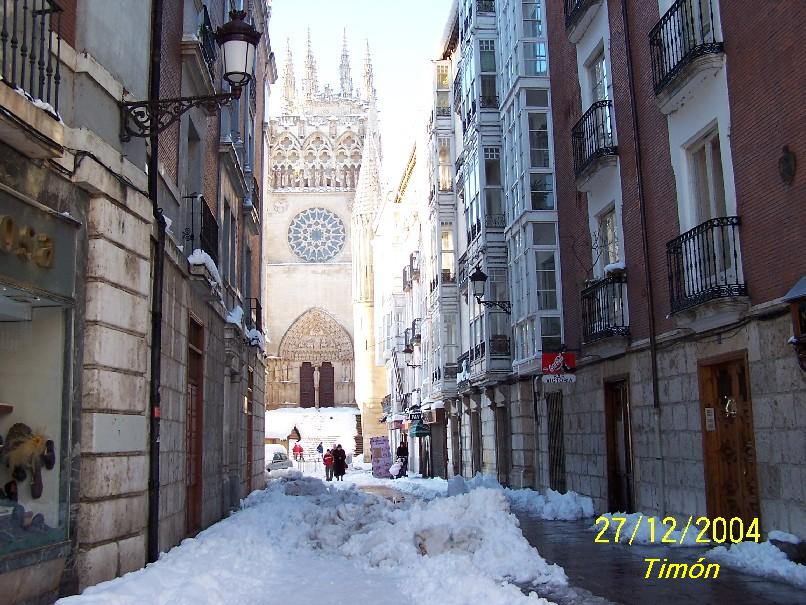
729 447
475 441
503 444
194 426
619 447
250 386
307 393
327 387
554 409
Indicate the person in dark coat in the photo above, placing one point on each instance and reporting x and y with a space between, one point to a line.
339 463
402 453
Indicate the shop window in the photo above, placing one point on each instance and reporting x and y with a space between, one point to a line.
33 399
551 334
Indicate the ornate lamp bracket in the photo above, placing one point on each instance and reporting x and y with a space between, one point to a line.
504 305
144 118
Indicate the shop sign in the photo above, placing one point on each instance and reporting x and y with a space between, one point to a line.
559 363
415 416
558 378
37 248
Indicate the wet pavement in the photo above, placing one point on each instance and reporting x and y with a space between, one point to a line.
616 572
391 494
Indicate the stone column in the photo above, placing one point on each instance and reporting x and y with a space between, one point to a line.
522 422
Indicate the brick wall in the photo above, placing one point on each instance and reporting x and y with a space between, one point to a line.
68 21
171 81
767 98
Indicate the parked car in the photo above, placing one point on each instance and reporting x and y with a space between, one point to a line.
277 458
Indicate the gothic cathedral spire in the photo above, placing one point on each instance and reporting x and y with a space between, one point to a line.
344 70
310 83
369 78
289 83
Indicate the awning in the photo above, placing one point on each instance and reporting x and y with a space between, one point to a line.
420 429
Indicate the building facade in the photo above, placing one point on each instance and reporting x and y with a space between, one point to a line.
322 178
80 244
687 392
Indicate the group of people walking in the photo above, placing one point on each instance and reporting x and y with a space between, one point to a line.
335 463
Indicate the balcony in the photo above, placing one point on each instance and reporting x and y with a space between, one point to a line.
499 346
578 16
408 342
416 331
251 205
685 51
31 71
592 139
407 279
485 6
495 221
202 234
209 47
443 112
603 309
489 102
704 264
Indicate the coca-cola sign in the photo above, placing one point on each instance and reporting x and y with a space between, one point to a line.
559 363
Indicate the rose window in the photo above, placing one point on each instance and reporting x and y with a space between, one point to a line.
316 235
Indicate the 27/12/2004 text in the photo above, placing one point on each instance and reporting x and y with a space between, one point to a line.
718 530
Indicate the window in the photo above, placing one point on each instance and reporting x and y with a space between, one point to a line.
550 334
492 177
445 167
708 186
544 234
535 58
532 26
537 97
233 244
447 251
487 56
597 71
607 238
538 140
546 280
542 191
225 240
443 77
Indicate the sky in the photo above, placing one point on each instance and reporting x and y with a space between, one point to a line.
404 39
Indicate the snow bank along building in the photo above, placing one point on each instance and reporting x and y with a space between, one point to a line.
323 182
641 170
81 333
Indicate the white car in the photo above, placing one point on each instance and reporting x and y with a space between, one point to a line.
277 458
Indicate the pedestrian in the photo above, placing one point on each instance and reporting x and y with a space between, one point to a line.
339 462
297 451
328 460
402 453
319 448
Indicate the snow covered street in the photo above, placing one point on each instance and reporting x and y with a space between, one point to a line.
304 541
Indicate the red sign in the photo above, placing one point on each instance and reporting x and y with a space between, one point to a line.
559 363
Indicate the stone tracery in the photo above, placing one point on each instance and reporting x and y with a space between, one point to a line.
316 337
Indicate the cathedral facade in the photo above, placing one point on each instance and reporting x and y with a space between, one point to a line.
322 183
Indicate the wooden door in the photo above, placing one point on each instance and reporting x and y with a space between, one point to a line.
728 441
475 441
503 443
194 426
619 447
327 387
307 394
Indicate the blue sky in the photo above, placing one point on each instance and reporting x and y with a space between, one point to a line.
404 38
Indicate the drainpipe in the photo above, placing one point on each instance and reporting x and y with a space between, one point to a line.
156 296
653 344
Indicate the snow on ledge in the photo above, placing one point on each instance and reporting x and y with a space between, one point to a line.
616 267
200 258
235 316
256 338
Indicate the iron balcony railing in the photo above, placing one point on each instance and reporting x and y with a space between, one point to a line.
485 6
30 49
489 102
408 341
416 331
443 111
592 136
604 308
574 9
208 44
686 31
255 194
499 346
448 277
202 229
495 221
703 264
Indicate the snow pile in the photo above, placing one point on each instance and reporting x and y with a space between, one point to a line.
552 506
303 541
235 316
414 484
256 338
762 559
644 534
202 258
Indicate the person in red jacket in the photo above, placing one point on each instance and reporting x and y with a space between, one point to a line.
297 452
328 460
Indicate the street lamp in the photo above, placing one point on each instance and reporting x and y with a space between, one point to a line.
478 281
238 41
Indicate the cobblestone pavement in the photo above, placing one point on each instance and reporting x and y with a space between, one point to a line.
616 572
